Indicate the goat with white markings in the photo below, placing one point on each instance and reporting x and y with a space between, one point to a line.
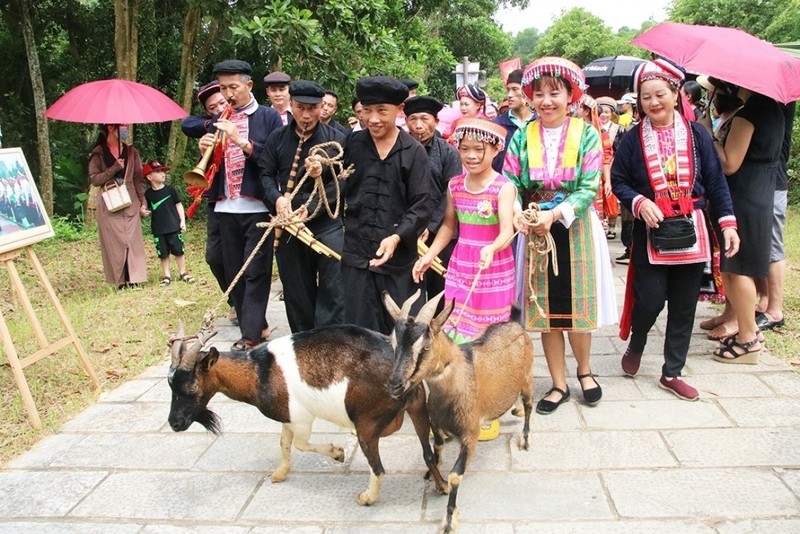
468 383
336 373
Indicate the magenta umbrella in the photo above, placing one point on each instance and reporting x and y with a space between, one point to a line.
114 101
729 54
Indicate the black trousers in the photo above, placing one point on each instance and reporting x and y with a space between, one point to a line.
312 283
626 233
363 304
679 286
214 249
239 236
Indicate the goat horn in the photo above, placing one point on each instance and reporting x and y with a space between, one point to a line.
406 308
429 309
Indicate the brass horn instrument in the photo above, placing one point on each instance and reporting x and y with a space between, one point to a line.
197 176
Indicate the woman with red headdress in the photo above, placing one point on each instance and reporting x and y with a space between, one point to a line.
665 171
556 162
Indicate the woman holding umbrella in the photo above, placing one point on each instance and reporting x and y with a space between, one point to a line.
121 242
664 172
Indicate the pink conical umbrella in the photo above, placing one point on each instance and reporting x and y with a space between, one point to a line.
728 54
114 101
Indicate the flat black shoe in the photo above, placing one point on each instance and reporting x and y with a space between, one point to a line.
592 395
546 407
763 322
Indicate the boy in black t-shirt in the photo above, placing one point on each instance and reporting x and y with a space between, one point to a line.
168 220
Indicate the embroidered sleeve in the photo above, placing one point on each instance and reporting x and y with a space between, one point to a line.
515 165
591 169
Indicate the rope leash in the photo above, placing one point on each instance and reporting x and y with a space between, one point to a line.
539 246
338 171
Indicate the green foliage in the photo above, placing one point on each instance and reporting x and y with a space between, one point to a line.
70 230
525 43
581 37
786 26
794 164
752 16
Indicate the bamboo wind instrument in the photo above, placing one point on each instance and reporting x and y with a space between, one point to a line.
301 232
290 181
436 266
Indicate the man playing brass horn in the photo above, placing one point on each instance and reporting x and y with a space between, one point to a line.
312 286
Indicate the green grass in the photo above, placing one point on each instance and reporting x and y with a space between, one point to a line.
123 332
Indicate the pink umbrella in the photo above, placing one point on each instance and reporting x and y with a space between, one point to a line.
448 116
114 101
728 54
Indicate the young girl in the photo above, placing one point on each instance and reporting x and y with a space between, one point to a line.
481 203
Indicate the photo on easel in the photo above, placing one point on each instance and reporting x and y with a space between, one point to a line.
23 219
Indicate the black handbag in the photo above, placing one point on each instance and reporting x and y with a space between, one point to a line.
673 233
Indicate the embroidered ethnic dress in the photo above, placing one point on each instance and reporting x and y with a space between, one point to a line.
568 301
478 226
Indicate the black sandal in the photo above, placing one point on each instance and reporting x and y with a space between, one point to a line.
165 281
592 395
728 354
243 345
546 407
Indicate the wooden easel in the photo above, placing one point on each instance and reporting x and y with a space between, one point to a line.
47 348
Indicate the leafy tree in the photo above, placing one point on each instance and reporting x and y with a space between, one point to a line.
525 43
581 37
752 16
786 25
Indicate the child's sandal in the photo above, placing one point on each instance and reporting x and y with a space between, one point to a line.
188 278
165 281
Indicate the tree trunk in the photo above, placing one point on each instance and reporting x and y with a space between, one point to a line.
192 56
42 129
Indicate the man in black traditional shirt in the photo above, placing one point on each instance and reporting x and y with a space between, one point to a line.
312 284
421 118
388 204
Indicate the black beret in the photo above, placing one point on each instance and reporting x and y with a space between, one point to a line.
381 90
306 92
277 78
232 66
515 76
422 104
411 84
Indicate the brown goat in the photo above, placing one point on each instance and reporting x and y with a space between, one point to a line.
336 373
468 383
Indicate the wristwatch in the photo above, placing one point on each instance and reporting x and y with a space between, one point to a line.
244 144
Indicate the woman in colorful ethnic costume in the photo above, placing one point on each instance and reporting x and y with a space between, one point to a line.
666 167
557 163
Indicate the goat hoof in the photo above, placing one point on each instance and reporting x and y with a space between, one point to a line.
365 498
338 454
277 476
523 444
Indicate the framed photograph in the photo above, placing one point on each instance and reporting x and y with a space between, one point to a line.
23 219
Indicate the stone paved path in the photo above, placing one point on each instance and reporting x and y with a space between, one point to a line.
640 461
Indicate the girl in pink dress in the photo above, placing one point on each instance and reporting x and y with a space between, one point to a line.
480 203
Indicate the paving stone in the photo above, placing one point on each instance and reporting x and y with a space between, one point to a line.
44 452
160 392
136 451
159 370
44 493
163 495
287 529
593 450
261 453
543 496
757 526
64 527
417 527
112 417
403 454
787 383
782 411
615 527
332 498
615 388
792 479
703 363
162 528
730 385
699 493
129 391
654 414
724 447
241 418
565 419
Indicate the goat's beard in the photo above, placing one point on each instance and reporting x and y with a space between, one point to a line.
210 421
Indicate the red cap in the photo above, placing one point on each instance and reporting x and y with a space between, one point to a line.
153 166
